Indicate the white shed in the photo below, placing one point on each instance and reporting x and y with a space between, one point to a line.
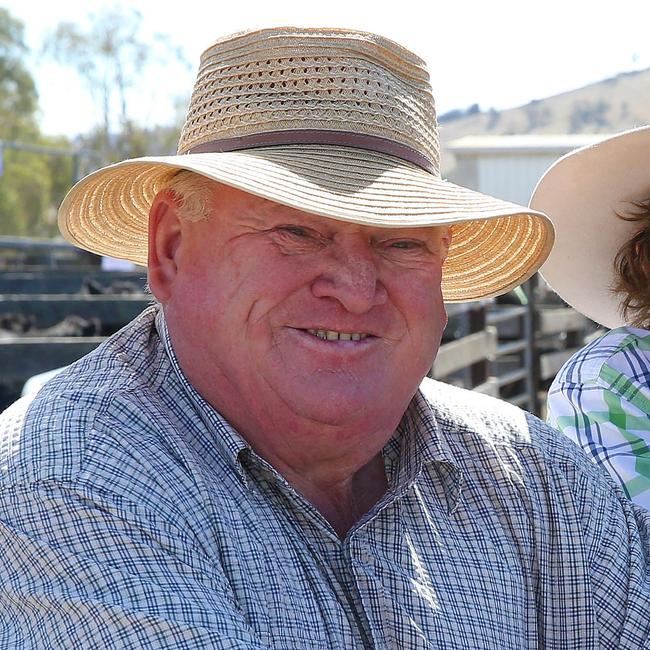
509 166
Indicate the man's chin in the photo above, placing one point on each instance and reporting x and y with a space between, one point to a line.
343 408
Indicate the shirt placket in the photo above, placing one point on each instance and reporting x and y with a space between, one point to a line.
331 561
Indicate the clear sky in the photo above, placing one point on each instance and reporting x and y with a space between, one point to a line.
500 53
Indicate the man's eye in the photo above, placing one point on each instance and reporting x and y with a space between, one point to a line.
406 244
298 231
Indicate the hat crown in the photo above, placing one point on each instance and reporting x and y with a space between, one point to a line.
279 81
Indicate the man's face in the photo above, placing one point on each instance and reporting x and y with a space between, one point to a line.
280 311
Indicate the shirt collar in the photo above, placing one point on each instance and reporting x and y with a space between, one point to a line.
418 443
230 443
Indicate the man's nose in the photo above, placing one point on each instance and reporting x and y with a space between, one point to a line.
351 276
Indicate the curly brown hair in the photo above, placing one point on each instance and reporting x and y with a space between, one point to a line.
632 268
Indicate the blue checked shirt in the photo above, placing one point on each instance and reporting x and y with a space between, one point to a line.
133 516
601 400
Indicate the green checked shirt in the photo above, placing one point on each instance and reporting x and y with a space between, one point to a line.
132 515
601 400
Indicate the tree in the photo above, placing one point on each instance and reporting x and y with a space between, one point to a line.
18 97
29 182
110 57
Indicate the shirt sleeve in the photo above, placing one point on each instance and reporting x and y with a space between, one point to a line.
81 570
610 420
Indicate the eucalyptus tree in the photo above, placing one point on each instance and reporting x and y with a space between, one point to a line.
26 178
111 56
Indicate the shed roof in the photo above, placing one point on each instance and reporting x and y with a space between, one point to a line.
500 144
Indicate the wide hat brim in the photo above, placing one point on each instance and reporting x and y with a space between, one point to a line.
496 245
582 193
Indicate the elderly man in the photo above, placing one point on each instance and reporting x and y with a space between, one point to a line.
255 462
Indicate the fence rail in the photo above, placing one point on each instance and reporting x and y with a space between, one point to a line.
48 309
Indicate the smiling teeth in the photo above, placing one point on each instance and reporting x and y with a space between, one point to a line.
331 335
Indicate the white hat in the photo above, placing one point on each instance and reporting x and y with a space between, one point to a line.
582 193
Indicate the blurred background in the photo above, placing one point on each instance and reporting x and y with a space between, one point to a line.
84 84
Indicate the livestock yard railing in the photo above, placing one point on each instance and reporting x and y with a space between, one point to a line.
56 304
511 347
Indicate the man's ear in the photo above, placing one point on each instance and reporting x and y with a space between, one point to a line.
164 241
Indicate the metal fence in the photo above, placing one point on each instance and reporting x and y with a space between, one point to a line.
512 347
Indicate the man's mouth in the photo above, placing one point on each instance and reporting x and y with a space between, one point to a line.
332 335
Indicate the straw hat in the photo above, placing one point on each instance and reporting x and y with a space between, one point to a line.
582 193
334 122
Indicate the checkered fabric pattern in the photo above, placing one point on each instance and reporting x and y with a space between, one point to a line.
601 400
133 516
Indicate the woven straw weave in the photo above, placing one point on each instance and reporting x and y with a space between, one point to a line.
254 84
